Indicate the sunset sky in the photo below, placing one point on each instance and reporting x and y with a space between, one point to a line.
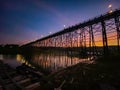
22 21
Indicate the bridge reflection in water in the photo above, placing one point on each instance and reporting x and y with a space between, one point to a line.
51 61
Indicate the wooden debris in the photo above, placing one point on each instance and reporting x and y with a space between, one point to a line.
10 79
59 88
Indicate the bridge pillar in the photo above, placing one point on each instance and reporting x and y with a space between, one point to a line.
91 41
104 37
117 22
83 42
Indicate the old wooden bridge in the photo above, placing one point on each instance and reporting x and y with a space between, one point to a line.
97 36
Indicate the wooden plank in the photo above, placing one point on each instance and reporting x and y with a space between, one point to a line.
32 86
23 81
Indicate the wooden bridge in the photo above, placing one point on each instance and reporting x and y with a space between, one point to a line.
96 36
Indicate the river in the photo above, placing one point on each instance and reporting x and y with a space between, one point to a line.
46 61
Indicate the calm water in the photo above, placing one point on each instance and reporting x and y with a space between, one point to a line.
46 61
11 60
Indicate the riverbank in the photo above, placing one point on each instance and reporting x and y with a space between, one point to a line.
21 78
102 74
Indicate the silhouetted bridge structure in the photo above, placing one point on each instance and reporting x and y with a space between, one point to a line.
97 36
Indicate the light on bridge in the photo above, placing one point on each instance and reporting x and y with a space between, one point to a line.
110 8
110 11
50 32
41 36
64 26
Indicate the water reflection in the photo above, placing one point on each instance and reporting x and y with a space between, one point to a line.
49 61
11 60
52 61
22 59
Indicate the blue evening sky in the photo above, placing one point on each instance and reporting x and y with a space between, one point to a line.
22 21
